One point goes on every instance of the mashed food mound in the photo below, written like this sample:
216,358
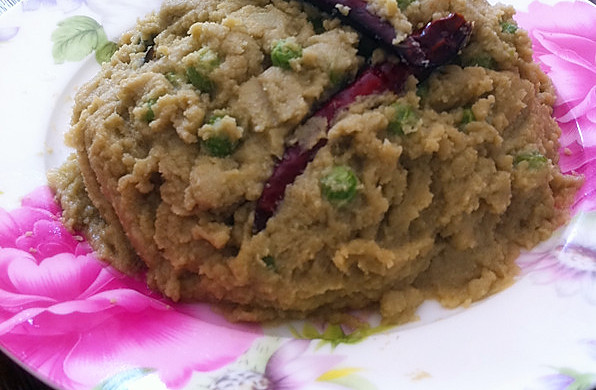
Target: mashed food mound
429,193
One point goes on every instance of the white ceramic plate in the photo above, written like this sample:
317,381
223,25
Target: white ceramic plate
78,324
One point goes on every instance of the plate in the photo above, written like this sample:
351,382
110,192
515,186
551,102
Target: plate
78,324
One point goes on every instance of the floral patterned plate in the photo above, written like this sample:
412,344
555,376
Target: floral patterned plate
78,324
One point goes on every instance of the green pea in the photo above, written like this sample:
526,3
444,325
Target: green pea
284,51
422,89
403,4
484,60
508,27
339,187
149,114
404,116
214,118
208,60
535,159
198,75
173,78
467,116
219,146
336,78
199,80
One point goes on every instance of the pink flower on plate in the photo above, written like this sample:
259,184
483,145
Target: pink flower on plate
568,378
564,43
291,367
567,260
78,322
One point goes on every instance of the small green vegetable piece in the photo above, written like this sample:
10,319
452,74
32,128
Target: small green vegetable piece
534,159
508,27
484,60
173,78
208,60
199,80
336,78
403,4
404,116
198,75
149,114
467,117
269,262
339,186
284,51
214,118
219,146
422,89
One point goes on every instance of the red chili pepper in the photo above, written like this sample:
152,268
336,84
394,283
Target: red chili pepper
434,45
360,18
429,47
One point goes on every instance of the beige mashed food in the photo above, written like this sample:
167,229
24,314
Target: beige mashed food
439,209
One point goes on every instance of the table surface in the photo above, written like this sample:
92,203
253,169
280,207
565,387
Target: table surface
12,376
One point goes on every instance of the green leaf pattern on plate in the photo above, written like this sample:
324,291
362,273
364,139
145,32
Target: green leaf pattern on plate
335,334
78,36
124,380
581,381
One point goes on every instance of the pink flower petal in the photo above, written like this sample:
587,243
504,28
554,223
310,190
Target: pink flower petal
571,47
307,369
571,82
556,382
9,229
61,277
137,332
577,157
289,367
564,42
573,17
580,130
14,302
583,107
47,238
65,311
19,222
166,340
46,356
286,353
42,198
